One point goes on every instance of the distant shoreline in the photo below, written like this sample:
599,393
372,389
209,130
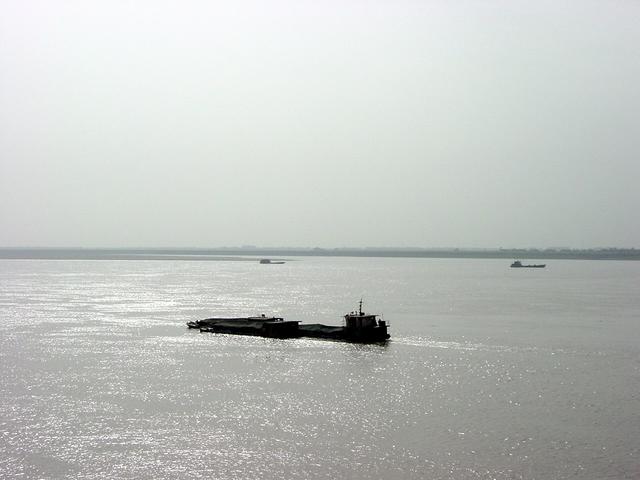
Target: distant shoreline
245,253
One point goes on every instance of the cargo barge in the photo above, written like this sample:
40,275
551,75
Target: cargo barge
518,264
358,327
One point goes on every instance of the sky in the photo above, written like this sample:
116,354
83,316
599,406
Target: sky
345,123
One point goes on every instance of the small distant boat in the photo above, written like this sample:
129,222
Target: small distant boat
518,264
268,261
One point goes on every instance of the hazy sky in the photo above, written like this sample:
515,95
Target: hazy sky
325,123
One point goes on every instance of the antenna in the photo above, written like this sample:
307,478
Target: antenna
360,306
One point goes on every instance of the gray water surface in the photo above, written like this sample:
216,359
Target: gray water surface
491,373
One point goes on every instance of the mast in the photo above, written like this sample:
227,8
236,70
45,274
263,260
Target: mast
361,306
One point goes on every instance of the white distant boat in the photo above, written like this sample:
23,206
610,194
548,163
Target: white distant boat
518,264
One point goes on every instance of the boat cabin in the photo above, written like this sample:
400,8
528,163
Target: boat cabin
359,320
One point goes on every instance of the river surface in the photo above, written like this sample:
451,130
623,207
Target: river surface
491,372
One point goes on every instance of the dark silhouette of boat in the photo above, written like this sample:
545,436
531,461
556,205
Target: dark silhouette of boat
268,261
358,327
518,264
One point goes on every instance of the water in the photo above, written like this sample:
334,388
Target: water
492,372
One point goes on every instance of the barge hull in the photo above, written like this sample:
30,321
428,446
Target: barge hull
278,328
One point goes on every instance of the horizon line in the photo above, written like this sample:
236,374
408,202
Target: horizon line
317,248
